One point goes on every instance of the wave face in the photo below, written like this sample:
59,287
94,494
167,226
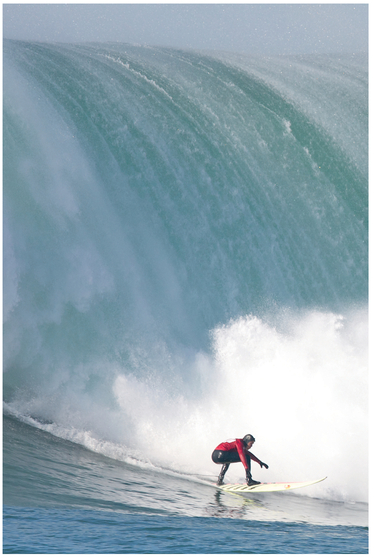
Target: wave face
185,254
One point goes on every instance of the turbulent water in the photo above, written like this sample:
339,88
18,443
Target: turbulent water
185,261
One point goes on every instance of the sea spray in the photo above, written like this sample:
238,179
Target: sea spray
302,392
301,389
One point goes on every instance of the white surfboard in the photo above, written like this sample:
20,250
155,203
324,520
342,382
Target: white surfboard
267,487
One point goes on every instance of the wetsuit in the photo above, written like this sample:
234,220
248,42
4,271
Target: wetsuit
233,452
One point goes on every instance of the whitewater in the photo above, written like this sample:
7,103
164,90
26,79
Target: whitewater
185,262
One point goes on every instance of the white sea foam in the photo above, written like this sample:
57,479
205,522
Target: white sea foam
300,387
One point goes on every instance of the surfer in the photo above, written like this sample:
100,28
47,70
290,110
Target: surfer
233,452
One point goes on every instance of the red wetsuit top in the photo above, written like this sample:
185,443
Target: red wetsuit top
240,447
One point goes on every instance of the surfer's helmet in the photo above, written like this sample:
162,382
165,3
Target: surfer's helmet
248,438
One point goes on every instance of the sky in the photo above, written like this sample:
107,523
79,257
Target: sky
248,28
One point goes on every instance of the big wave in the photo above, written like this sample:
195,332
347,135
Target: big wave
185,254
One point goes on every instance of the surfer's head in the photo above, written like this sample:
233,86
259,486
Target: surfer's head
248,438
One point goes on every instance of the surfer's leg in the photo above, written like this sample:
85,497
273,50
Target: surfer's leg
225,466
248,474
248,464
224,457
220,456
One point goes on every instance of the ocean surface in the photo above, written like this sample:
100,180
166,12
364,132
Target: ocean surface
185,262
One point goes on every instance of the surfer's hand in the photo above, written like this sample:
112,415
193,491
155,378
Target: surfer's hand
262,464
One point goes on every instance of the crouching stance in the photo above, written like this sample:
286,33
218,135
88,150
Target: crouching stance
233,452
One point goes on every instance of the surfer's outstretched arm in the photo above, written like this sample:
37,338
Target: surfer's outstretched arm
254,458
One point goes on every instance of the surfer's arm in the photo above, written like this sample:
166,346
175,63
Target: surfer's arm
254,458
241,449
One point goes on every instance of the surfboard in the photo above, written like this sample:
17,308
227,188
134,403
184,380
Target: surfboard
267,486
